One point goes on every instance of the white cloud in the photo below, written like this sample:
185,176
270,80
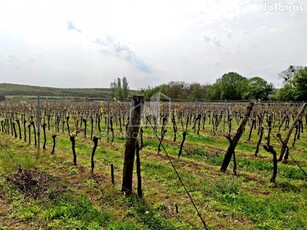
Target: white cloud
149,42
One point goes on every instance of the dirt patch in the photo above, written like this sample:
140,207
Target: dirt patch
31,182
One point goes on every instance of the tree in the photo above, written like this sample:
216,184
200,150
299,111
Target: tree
149,92
300,85
125,88
197,91
177,89
233,85
113,86
296,88
119,90
289,73
286,93
257,88
215,91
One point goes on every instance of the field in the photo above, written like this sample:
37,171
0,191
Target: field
43,190
26,91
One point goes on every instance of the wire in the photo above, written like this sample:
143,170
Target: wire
179,178
295,161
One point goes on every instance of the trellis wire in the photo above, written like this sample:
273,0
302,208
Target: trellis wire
179,178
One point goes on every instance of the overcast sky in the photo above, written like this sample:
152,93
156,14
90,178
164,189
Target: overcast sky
89,43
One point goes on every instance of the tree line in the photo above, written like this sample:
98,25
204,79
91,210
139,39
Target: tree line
120,89
233,86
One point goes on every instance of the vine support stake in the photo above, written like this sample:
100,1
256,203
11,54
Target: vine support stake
112,174
234,141
285,142
132,134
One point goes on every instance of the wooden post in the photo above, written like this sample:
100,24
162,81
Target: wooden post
285,142
138,170
234,141
112,174
132,133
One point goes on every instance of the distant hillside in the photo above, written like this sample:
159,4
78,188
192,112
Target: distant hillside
27,90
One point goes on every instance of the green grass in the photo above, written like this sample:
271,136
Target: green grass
74,212
78,199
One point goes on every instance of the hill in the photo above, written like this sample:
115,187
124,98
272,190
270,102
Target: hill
27,90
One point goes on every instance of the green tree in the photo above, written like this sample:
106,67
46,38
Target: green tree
300,85
286,93
177,90
233,86
295,89
149,92
197,91
257,88
113,86
214,91
125,88
119,90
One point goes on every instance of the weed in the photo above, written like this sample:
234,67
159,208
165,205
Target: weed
73,170
90,183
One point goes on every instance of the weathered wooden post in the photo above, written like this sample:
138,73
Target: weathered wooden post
131,139
234,141
285,141
112,174
138,170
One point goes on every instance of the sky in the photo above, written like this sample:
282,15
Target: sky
88,44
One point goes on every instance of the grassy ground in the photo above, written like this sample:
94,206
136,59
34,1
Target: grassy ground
72,197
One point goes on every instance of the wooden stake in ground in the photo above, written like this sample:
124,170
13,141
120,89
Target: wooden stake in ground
285,142
132,133
112,174
234,141
138,169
